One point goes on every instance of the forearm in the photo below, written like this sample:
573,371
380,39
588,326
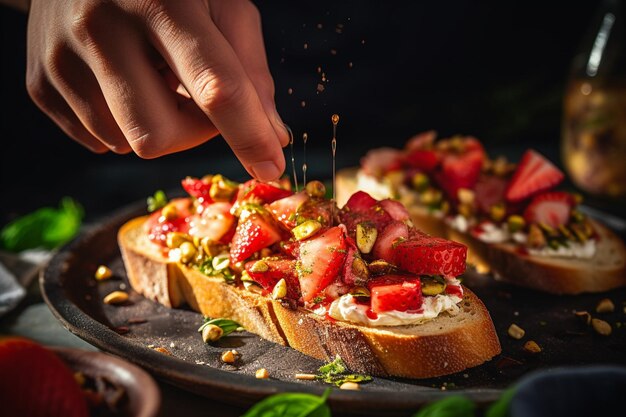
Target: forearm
21,5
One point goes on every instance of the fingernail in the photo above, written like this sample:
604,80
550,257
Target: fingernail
265,171
281,129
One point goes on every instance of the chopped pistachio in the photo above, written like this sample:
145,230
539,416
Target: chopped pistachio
584,316
211,333
261,374
465,210
420,182
306,229
116,297
175,239
380,267
315,189
566,232
210,247
578,216
605,306
579,232
103,272
536,239
366,235
548,230
516,332
360,292
432,286
500,166
359,269
601,327
497,212
516,223
170,212
394,178
431,197
220,262
228,357
187,252
350,386
466,196
532,347
280,289
259,266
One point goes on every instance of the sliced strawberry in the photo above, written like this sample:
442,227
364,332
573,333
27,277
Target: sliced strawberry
349,276
214,222
489,191
360,201
395,293
321,259
421,141
284,210
379,161
277,269
253,233
423,160
197,188
158,226
261,192
35,382
318,209
533,175
552,209
422,254
461,170
290,248
387,239
395,209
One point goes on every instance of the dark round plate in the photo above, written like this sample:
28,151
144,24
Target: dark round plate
134,330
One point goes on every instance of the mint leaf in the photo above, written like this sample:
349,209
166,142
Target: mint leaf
45,228
453,406
157,201
291,405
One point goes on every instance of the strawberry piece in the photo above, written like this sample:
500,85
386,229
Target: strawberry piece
552,209
395,293
423,160
214,222
261,192
360,201
35,382
253,233
197,188
379,161
321,210
421,141
284,209
533,175
422,254
159,227
290,248
348,276
461,170
395,209
392,234
489,191
321,259
277,269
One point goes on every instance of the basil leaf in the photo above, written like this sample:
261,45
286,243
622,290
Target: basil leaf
45,228
340,379
500,408
336,367
453,406
227,325
291,405
157,201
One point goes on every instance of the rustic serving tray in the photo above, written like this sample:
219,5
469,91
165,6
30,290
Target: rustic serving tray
134,330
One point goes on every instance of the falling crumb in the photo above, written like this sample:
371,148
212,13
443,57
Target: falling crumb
306,46
516,313
320,87
122,286
333,52
303,103
319,70
88,297
319,26
362,41
163,350
349,64
290,91
282,60
172,345
465,375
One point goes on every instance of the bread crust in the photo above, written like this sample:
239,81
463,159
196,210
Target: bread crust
442,346
605,271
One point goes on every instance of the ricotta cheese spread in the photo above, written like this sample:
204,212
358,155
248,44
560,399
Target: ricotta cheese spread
574,250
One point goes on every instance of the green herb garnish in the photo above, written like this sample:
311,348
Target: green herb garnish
336,373
157,201
453,406
291,405
227,325
501,407
45,228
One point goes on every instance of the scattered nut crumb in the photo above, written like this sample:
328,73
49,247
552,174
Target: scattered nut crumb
583,315
262,374
172,345
79,377
136,320
350,386
601,327
516,332
116,297
103,272
228,357
163,350
605,306
305,377
532,347
290,91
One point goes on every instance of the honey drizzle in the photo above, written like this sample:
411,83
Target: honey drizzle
293,159
305,137
335,120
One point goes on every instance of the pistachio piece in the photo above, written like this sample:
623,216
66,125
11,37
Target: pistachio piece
584,316
432,286
578,216
261,374
169,212
380,267
315,189
175,239
466,196
306,229
116,297
228,357
601,327
366,235
280,289
259,266
605,306
222,189
465,210
349,385
548,230
579,231
360,292
394,178
497,212
431,197
210,247
536,239
211,333
187,252
567,234
516,332
532,347
103,272
515,223
359,268
420,182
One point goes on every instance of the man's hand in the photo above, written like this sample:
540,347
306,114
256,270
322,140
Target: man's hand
156,77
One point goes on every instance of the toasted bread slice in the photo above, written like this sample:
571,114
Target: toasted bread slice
605,271
441,346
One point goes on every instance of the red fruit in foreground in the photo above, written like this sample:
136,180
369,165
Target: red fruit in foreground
252,234
284,210
489,191
35,382
394,233
395,292
361,207
395,209
360,201
553,209
426,255
277,269
197,188
461,170
214,222
321,259
423,160
348,276
261,192
159,227
533,175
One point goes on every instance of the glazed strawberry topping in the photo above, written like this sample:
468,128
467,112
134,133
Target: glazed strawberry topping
395,209
534,174
422,254
360,201
261,192
461,169
489,191
253,233
422,160
197,188
321,259
284,209
552,209
277,269
390,236
395,292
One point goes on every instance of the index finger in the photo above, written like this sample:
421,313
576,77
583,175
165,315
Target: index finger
207,66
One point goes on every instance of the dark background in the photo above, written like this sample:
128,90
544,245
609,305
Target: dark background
496,70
